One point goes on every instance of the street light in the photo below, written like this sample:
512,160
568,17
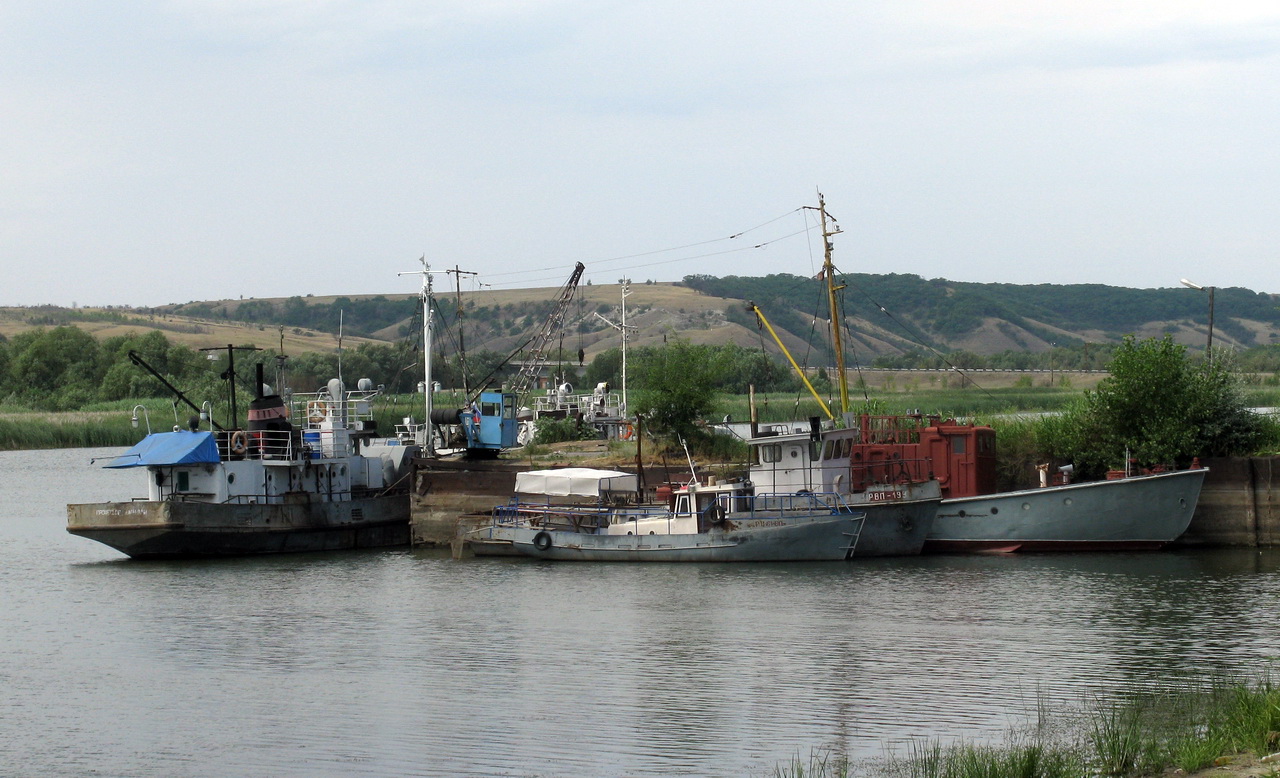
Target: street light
1208,348
145,415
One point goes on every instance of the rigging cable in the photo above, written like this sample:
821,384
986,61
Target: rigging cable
922,342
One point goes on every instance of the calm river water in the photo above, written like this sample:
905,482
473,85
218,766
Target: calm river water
411,663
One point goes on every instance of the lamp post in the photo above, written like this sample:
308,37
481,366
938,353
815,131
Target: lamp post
1208,348
145,415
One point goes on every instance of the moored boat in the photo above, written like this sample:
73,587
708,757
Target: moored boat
319,484
597,518
1130,510
1138,513
900,504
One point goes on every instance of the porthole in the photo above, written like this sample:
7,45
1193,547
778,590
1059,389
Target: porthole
994,510
1066,500
1026,506
961,514
231,478
1182,501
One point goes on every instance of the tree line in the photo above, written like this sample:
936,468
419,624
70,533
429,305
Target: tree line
65,368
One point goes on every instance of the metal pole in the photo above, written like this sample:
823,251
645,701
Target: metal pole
425,272
1208,349
626,290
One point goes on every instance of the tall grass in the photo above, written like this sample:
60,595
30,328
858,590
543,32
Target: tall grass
1188,724
956,401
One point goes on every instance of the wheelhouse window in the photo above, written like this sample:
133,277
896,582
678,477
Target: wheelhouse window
769,454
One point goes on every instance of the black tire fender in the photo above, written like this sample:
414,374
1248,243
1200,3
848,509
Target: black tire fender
542,541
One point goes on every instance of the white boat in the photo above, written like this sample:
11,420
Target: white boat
900,504
595,517
305,476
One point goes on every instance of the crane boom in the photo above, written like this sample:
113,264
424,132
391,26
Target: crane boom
537,345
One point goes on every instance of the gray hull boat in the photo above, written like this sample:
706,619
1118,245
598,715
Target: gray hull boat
593,519
1142,512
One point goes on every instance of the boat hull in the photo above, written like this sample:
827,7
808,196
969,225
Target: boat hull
759,539
898,528
148,529
1138,513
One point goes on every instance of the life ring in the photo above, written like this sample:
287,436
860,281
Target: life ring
542,541
317,410
239,443
715,513
626,431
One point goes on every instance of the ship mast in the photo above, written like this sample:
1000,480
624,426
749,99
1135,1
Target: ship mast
830,229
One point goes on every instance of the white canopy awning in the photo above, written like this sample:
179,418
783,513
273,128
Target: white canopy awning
574,481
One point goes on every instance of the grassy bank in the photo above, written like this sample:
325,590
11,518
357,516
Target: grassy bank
1229,725
110,424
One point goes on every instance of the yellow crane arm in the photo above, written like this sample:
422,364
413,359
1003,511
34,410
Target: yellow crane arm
760,314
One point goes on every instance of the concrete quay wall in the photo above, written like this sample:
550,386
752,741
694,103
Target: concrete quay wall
1238,504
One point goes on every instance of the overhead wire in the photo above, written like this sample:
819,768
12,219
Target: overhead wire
920,340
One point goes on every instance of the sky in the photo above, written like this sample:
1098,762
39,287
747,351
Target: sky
164,152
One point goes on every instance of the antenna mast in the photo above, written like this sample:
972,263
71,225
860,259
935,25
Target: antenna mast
833,305
462,349
427,388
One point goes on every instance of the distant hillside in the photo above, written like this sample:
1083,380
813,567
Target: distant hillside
885,315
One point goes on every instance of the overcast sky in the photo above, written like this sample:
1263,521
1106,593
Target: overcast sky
157,152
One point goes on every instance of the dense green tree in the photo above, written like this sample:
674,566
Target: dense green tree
674,386
1158,407
607,366
55,369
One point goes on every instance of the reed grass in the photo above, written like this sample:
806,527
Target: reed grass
1187,724
821,764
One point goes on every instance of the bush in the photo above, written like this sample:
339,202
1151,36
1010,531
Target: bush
560,430
1158,408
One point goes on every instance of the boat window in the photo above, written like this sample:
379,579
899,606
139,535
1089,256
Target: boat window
184,481
770,453
828,450
508,406
489,408
957,445
682,504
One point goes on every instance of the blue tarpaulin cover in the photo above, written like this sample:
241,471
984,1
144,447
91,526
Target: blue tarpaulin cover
170,448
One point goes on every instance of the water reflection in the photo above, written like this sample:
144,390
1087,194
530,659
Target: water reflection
410,662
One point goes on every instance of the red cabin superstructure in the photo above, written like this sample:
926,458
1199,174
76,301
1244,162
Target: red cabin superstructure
893,448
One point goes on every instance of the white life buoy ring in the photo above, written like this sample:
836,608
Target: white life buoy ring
239,443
